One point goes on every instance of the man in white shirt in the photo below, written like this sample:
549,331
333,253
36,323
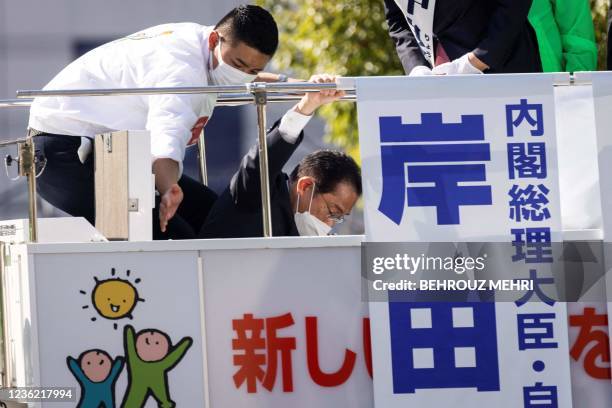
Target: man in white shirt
235,51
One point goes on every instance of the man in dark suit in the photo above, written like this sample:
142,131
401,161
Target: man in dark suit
469,36
319,193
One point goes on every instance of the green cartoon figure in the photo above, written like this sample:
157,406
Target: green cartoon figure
149,357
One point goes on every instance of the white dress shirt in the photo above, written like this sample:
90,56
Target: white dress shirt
162,56
292,124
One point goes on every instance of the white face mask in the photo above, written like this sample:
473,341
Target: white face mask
225,74
308,224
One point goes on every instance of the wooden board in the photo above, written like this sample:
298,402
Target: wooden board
111,184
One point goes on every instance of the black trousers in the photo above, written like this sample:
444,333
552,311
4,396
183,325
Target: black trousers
68,184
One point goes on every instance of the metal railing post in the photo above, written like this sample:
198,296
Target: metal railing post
261,99
202,158
6,356
27,168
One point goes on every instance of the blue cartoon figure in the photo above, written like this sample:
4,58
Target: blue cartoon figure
97,374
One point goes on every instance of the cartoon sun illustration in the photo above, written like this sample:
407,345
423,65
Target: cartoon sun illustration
114,298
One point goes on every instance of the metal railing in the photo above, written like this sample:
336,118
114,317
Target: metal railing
259,93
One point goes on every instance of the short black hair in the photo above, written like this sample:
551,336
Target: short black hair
253,26
329,168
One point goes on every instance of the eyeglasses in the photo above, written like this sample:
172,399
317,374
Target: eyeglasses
335,218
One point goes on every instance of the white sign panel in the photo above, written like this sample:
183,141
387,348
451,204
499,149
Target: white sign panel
121,328
590,358
578,170
602,93
581,210
286,328
435,168
459,159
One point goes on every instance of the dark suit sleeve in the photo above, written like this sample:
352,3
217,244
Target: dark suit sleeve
406,45
245,186
507,21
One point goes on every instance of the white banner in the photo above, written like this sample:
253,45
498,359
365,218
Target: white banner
589,354
245,323
578,170
602,94
101,316
465,159
286,328
581,210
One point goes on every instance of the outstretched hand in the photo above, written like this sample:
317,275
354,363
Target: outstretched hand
170,202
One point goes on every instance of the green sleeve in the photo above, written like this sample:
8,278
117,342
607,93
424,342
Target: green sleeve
577,34
177,353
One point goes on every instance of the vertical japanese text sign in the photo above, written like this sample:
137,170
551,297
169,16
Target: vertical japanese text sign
460,159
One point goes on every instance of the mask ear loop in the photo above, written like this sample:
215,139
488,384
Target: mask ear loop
219,58
297,205
312,195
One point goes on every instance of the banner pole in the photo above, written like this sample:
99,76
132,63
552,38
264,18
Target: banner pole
260,94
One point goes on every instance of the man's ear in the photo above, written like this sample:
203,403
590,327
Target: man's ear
213,39
304,183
